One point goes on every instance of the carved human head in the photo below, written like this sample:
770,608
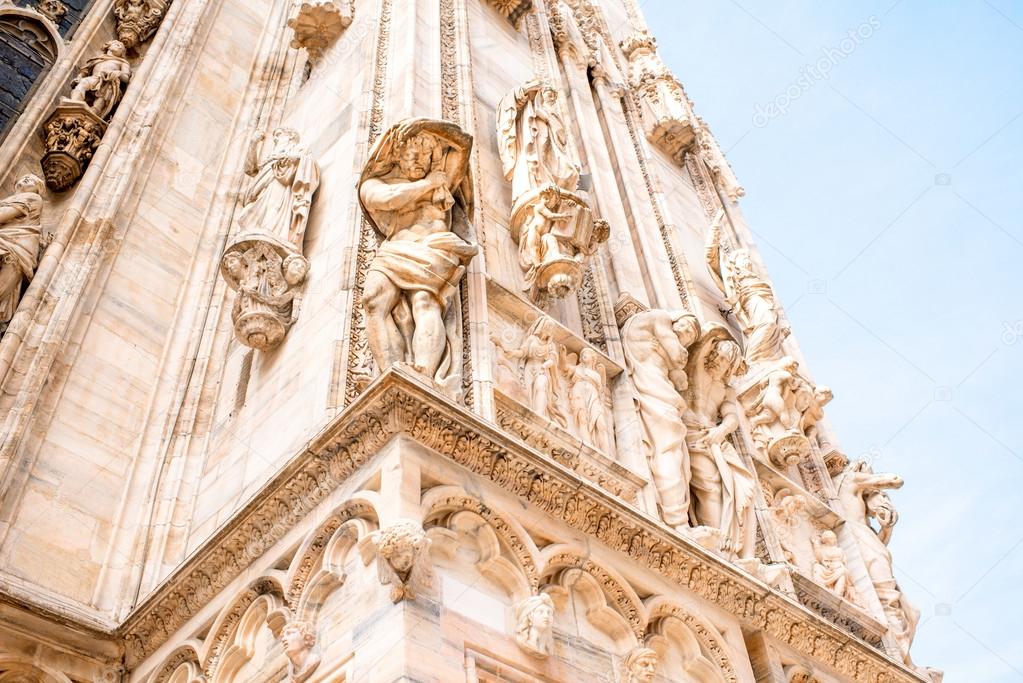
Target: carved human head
828,537
298,637
881,508
415,156
723,359
294,268
685,326
588,357
400,544
534,627
285,138
29,183
114,48
641,665
549,95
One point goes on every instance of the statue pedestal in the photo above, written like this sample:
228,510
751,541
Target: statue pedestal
266,272
561,270
71,135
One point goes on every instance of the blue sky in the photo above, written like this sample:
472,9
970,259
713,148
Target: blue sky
885,196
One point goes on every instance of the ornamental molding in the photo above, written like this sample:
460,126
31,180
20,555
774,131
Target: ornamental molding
400,403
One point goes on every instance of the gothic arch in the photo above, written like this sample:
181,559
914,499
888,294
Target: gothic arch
16,668
236,625
180,666
661,609
32,43
560,560
442,504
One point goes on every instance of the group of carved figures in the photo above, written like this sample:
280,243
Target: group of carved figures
567,388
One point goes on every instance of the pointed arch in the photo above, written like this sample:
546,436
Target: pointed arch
235,626
712,643
180,666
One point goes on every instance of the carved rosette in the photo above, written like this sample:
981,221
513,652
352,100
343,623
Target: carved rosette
664,107
137,20
70,135
317,25
571,240
267,273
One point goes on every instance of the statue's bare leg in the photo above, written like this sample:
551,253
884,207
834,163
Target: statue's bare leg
428,340
379,297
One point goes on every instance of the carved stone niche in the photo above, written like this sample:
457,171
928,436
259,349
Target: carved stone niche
664,106
71,135
513,10
783,408
265,272
317,25
137,20
564,241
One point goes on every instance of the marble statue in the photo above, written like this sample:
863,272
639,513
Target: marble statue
417,171
862,496
402,558
664,107
591,420
534,628
749,295
137,20
264,262
543,362
721,484
534,142
655,344
20,242
640,666
551,218
784,408
100,82
299,639
829,567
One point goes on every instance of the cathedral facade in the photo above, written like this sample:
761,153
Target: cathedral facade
404,340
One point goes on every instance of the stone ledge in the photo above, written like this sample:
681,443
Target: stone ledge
399,402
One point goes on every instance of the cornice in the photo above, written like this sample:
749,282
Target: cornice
399,402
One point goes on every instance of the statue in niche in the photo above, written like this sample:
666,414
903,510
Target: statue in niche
264,262
829,568
862,496
417,171
588,387
783,407
100,82
749,295
544,364
20,242
534,627
640,666
655,344
402,558
551,218
534,140
299,639
721,485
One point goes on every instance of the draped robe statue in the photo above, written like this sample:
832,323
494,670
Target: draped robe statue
533,140
417,171
749,295
655,352
100,80
721,485
20,235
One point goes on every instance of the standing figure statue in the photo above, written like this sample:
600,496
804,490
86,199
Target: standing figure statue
590,418
20,242
533,140
748,294
722,486
655,344
543,364
416,173
862,495
264,262
829,568
99,83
